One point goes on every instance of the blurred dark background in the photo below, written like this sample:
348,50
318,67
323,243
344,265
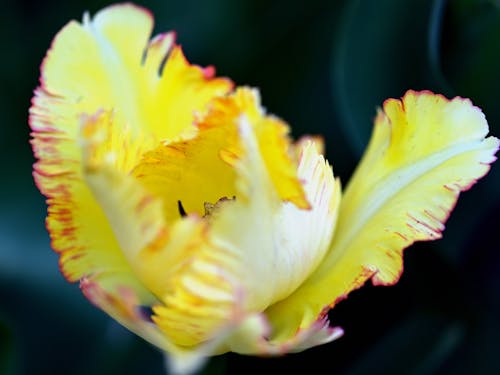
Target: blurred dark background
324,66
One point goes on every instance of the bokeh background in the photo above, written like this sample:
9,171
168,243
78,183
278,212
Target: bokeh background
324,66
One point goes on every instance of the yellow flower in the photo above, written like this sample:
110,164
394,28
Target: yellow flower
189,216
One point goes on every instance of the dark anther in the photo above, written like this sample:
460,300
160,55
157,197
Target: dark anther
164,62
182,211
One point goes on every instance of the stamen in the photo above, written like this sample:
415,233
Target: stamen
182,211
210,208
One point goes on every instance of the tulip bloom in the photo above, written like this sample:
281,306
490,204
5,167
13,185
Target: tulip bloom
189,216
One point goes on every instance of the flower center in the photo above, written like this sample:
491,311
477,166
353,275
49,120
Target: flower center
193,172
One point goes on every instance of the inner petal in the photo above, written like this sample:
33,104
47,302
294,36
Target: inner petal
280,244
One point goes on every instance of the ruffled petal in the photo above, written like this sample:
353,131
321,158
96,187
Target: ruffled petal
201,295
272,137
280,243
423,152
79,230
124,202
150,89
109,63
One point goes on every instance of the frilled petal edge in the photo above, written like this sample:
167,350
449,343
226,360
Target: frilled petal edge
424,150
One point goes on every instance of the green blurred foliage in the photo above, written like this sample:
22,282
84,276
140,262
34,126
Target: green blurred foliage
324,67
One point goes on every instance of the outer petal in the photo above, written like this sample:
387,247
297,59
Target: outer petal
107,64
424,150
79,229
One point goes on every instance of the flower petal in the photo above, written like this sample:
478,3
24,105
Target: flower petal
271,136
113,188
258,225
280,243
424,150
201,295
79,229
107,64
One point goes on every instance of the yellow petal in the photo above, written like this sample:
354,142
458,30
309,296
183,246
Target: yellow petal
79,229
271,136
280,244
239,259
201,294
112,187
124,306
424,150
107,64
